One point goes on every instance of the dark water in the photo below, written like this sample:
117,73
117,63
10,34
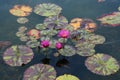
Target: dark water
71,9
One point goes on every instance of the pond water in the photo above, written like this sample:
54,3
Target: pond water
71,9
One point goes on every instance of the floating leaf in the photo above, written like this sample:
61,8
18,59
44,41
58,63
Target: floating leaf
21,10
33,44
112,19
56,22
22,20
17,55
47,9
62,40
24,38
40,26
4,43
67,77
19,34
85,48
96,39
102,64
34,33
40,72
22,29
67,51
76,23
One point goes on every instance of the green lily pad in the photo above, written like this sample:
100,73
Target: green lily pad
102,64
96,39
40,72
17,55
67,77
47,9
85,48
112,19
56,22
33,44
22,29
40,26
22,20
67,51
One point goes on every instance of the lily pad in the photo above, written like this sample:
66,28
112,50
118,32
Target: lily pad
40,72
24,38
67,77
40,26
21,10
76,23
47,9
102,64
22,20
56,22
17,55
67,51
89,25
112,19
96,39
85,48
4,43
22,29
33,44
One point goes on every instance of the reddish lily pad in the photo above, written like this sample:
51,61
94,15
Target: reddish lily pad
17,55
40,72
112,19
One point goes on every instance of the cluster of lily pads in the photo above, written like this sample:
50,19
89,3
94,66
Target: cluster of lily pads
68,39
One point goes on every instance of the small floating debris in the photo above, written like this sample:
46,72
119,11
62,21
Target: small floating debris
101,0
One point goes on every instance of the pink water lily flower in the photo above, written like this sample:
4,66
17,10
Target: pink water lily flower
45,43
58,45
64,33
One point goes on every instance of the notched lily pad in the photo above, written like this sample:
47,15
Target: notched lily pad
21,10
33,44
47,9
85,48
102,64
96,39
22,20
17,55
40,26
112,19
40,72
67,51
56,22
67,77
